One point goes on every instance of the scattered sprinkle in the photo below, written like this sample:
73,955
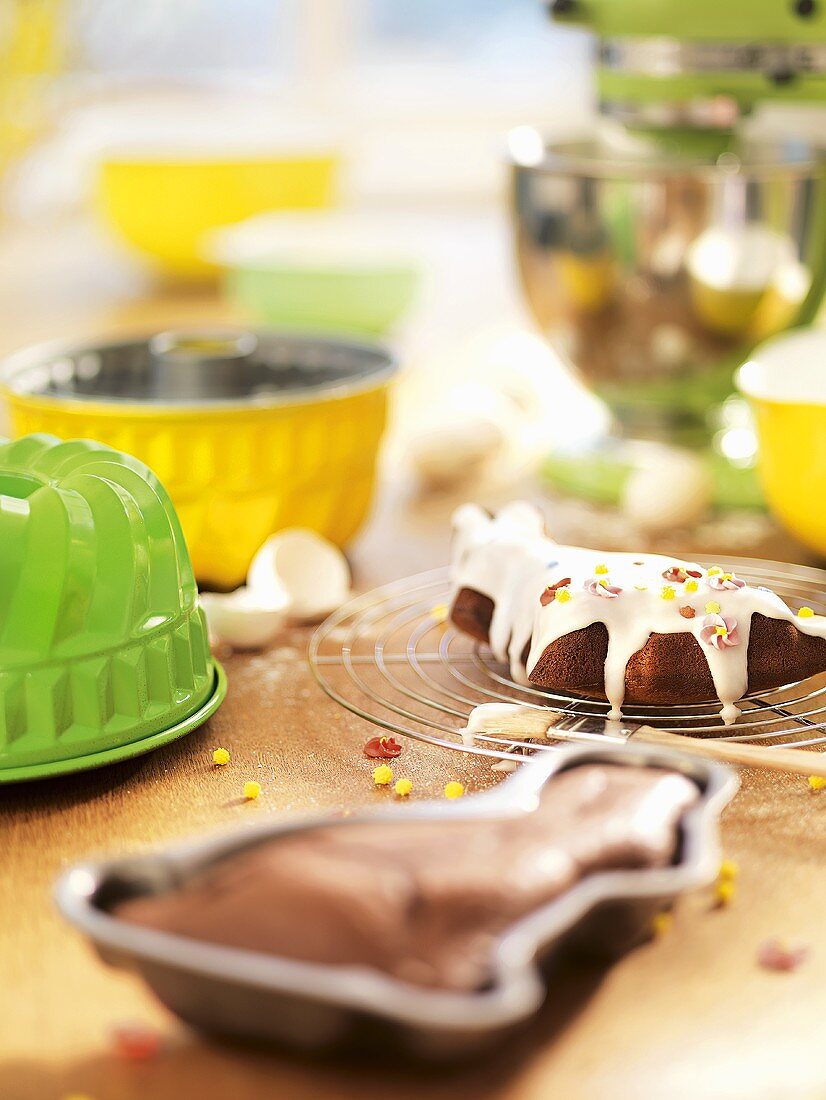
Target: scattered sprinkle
675,574
662,923
639,563
777,954
549,593
724,893
641,587
805,613
817,782
135,1042
382,775
691,586
687,612
562,595
729,871
440,612
454,790
667,592
712,608
714,571
382,748
601,568
251,790
403,787
220,757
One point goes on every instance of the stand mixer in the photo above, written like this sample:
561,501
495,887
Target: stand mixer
657,251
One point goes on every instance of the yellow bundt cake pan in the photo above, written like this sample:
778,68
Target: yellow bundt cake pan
103,647
249,432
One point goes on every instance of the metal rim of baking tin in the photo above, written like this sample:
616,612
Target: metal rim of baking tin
517,989
89,761
326,367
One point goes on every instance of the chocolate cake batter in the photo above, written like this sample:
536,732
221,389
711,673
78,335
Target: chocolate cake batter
425,901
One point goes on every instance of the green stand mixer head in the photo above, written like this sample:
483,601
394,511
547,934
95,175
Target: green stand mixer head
103,647
702,63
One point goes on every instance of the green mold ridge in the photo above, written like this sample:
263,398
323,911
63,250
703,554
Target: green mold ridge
102,642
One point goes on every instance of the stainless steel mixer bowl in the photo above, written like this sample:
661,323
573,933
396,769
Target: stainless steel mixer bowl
653,272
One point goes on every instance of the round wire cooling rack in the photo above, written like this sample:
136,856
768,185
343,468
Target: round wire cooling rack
391,657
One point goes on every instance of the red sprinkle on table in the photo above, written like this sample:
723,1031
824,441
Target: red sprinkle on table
135,1043
382,748
776,954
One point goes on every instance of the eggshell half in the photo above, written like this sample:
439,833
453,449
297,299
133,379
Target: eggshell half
311,573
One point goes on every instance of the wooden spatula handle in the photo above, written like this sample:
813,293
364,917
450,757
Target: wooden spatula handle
773,757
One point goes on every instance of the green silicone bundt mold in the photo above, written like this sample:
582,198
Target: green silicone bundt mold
102,643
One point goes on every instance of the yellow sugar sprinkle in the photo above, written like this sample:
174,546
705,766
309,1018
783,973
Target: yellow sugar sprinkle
454,790
562,595
729,870
601,568
251,790
724,892
220,757
712,608
690,585
721,631
439,612
662,923
715,571
403,787
805,613
817,782
667,593
641,587
382,775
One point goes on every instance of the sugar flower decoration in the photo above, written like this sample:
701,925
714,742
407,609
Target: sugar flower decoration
601,587
720,631
722,582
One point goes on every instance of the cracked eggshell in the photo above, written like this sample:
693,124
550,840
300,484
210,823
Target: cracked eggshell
311,572
243,619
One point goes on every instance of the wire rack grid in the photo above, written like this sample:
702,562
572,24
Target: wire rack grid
391,657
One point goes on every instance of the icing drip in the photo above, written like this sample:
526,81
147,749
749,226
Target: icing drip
542,591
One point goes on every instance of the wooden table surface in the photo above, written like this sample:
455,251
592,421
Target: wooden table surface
690,1015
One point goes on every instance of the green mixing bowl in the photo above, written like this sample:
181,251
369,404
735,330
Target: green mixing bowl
103,647
343,271
362,301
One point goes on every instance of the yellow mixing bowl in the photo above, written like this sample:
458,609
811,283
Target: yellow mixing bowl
163,206
785,382
249,432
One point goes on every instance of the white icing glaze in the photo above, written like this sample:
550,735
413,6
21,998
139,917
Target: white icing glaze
511,560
